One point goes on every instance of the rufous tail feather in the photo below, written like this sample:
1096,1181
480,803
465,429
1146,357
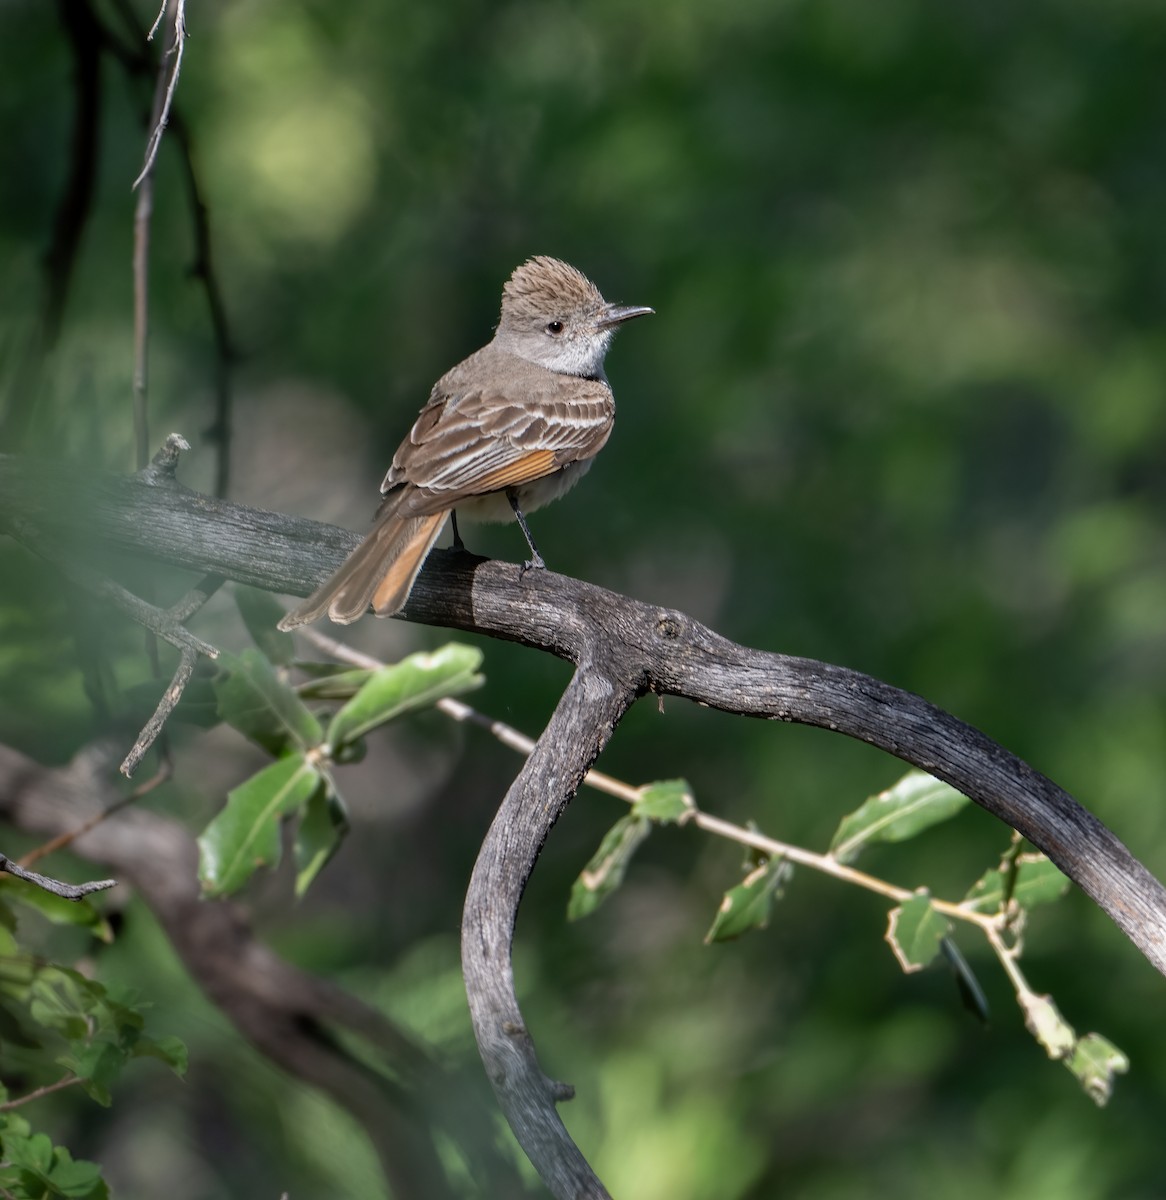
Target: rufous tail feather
380,571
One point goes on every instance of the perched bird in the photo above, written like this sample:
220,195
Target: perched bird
506,431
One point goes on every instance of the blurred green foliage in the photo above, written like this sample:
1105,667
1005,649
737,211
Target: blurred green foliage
902,407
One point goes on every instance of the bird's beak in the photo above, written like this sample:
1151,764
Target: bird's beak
617,314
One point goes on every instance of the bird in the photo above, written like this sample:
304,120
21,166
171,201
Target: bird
509,429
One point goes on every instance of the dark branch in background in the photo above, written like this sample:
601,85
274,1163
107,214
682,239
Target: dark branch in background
622,649
288,1015
69,221
76,201
218,433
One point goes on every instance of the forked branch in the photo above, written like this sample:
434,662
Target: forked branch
622,649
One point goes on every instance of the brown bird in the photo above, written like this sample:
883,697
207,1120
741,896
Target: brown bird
506,431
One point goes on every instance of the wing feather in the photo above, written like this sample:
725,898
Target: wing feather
469,440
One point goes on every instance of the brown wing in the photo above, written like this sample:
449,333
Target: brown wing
497,422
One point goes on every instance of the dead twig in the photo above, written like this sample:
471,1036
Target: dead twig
67,891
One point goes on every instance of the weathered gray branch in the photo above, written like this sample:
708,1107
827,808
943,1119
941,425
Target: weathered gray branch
622,649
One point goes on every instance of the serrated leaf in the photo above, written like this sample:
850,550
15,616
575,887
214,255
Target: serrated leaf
607,867
415,682
1095,1061
320,832
60,911
1038,881
98,1065
255,701
748,905
916,802
170,1050
915,931
33,1153
76,1179
245,835
668,801
261,612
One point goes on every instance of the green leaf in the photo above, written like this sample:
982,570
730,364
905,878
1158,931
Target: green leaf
254,700
98,1066
668,801
1037,881
169,1050
415,682
261,612
245,835
338,685
33,1153
605,872
1095,1061
748,905
321,830
915,931
914,803
52,1169
75,1178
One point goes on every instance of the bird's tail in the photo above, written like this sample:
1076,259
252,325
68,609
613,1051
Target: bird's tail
380,571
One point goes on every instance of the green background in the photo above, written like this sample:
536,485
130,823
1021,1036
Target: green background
901,408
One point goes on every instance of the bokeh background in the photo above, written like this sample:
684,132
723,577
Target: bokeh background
902,408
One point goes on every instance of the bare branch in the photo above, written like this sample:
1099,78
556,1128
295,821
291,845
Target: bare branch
67,891
168,70
166,705
592,705
36,1094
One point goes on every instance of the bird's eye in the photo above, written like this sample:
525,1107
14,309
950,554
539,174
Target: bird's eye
555,327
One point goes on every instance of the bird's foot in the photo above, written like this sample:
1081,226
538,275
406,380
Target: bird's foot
532,564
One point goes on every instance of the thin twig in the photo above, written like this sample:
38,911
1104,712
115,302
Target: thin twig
157,620
157,22
162,775
202,268
458,710
168,70
48,1089
993,925
166,705
143,211
164,623
67,891
184,609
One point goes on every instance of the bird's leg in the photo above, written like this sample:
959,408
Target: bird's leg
536,559
458,544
